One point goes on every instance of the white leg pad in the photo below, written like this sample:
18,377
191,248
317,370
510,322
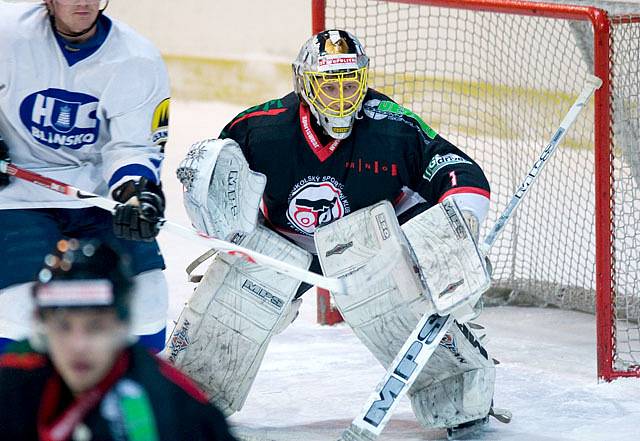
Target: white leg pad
149,302
457,383
16,311
222,334
384,313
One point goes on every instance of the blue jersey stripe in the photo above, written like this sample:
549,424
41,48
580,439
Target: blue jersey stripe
133,170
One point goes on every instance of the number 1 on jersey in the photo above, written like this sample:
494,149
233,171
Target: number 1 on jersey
454,178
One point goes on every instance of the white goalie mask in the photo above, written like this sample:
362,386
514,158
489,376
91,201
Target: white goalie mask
330,76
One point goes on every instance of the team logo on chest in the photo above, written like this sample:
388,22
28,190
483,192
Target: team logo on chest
58,118
316,201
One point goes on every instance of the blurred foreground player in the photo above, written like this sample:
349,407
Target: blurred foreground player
81,377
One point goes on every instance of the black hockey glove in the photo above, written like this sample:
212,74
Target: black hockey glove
142,208
4,156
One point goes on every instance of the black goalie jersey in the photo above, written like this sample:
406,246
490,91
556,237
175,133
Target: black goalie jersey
313,179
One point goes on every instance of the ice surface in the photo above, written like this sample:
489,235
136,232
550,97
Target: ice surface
315,379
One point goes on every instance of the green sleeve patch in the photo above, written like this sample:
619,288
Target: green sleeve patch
397,109
438,162
272,104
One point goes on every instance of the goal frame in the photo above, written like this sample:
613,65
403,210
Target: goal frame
603,168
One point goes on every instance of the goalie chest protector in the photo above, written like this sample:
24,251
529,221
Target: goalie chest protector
313,180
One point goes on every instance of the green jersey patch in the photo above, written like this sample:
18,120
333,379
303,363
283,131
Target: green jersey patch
438,162
397,109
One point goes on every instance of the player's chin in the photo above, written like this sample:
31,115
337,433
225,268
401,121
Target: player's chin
81,376
82,20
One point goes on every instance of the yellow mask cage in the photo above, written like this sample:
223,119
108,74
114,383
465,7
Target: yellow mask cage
336,94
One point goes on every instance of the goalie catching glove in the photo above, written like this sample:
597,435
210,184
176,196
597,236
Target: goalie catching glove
221,193
138,218
4,156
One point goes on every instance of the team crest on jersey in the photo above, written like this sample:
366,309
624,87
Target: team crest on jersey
57,118
316,201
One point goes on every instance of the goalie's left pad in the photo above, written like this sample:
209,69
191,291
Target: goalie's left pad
455,270
221,193
223,332
456,385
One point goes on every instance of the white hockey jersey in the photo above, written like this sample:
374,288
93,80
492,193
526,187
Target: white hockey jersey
94,124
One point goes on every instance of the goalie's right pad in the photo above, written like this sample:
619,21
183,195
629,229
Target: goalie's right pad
222,334
222,195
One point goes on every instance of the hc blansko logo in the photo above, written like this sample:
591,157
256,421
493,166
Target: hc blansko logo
57,118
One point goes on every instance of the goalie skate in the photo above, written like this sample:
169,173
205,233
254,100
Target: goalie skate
464,429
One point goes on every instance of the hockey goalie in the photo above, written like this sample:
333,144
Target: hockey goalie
322,178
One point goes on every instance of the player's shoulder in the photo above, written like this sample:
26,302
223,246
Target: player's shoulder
21,20
21,356
128,43
273,112
20,11
384,113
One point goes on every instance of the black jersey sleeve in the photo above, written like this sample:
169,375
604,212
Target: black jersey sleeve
239,128
441,169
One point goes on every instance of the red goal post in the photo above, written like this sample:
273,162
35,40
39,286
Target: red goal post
495,77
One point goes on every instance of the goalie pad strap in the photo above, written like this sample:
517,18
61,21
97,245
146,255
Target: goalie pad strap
195,278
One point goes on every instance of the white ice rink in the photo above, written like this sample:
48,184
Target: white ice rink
315,379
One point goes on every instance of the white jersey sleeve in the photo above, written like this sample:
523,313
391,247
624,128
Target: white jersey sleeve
136,104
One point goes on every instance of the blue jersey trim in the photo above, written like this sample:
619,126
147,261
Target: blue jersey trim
156,162
76,52
133,170
5,342
154,342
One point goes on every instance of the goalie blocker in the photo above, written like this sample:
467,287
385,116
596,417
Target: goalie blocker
456,386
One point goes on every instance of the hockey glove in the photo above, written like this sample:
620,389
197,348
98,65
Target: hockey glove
4,156
141,210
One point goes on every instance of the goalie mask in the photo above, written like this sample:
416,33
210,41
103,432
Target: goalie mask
330,76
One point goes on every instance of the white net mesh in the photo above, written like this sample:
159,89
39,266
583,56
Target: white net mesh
498,85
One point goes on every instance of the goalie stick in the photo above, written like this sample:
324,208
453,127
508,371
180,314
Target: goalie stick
374,269
425,338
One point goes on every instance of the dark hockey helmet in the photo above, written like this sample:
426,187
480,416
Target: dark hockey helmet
330,75
84,274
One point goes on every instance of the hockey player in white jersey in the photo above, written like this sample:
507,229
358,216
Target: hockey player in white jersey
331,157
84,100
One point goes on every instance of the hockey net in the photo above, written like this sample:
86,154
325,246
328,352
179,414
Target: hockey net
496,78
